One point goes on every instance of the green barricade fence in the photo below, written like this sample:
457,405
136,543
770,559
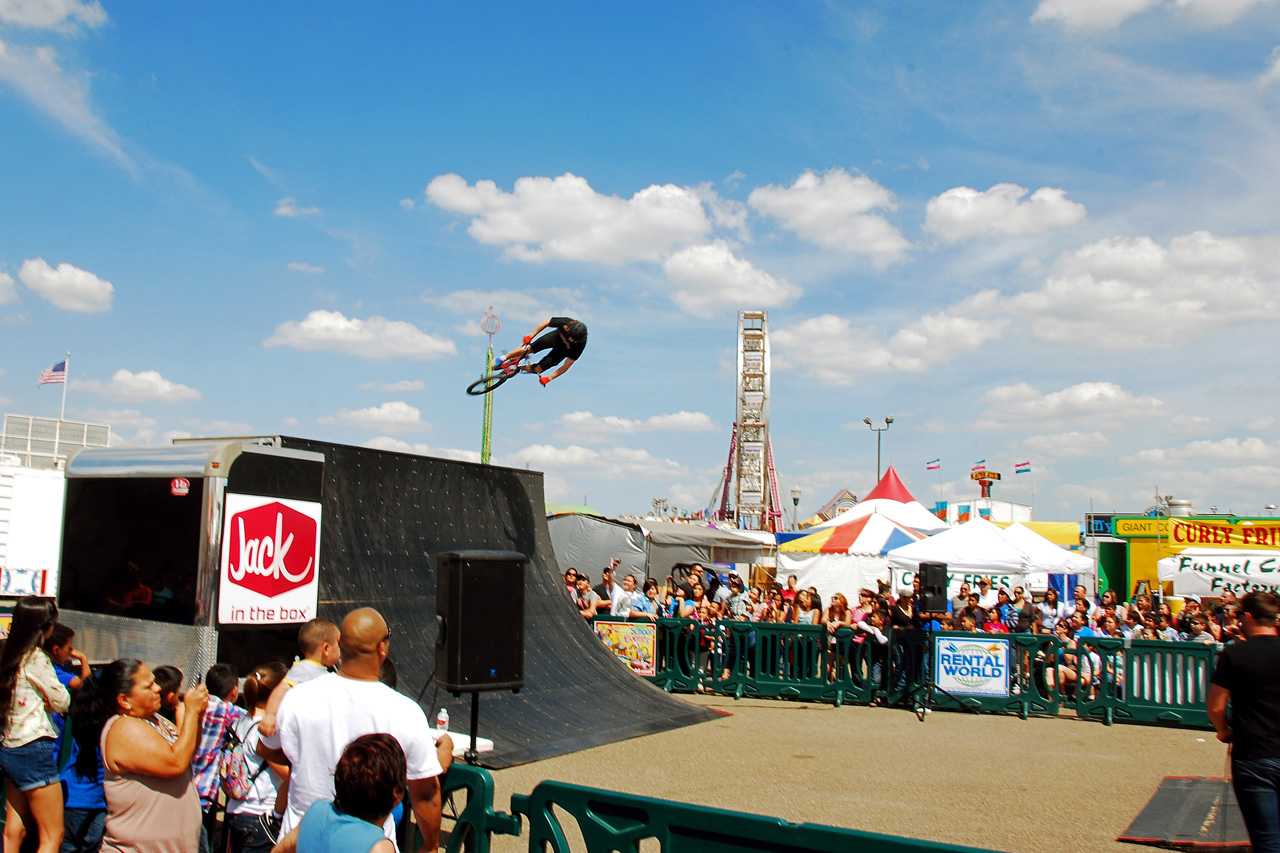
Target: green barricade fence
474,820
1144,681
1140,681
770,660
609,821
1030,686
679,645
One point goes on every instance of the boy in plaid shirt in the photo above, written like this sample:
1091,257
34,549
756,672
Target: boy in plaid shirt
223,682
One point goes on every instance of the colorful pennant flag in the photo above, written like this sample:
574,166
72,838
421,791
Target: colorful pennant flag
934,465
982,463
1022,468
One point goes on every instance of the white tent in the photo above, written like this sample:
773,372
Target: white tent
909,514
977,549
1047,556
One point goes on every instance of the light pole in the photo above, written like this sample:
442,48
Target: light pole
795,507
877,431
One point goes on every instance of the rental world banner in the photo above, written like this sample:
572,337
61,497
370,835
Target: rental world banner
1209,571
973,666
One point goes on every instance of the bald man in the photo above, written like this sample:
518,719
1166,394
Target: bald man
318,719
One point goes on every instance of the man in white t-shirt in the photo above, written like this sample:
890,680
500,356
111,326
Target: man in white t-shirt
987,597
319,718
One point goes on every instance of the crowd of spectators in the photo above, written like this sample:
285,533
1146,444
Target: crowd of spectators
981,607
328,761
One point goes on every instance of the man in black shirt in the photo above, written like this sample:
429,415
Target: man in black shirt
1246,678
566,340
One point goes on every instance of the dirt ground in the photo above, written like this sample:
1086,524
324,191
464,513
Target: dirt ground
1053,785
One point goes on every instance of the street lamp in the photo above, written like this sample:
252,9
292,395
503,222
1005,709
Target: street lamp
795,507
877,431
1271,509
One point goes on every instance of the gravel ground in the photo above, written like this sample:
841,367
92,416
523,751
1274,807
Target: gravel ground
989,781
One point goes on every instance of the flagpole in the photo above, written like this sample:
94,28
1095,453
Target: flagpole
66,380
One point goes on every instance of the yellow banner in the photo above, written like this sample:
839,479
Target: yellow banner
1181,533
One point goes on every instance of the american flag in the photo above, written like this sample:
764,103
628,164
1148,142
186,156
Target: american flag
56,375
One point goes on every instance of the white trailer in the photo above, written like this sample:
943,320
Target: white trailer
31,507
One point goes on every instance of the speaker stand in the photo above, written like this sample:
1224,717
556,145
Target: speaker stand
471,755
930,685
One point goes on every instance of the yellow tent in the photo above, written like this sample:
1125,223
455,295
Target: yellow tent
1064,533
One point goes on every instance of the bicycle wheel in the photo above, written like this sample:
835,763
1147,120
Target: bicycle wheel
487,383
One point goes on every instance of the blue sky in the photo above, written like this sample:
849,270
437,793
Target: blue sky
1040,230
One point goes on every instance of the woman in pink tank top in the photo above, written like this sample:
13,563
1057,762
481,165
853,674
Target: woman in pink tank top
152,804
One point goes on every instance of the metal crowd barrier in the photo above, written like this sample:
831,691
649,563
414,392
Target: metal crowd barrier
608,821
1140,681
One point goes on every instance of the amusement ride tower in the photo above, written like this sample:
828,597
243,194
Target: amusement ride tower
748,491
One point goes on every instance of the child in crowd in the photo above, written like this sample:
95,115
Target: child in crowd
318,642
223,682
253,822
169,681
84,810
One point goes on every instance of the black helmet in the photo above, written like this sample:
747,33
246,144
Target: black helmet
576,332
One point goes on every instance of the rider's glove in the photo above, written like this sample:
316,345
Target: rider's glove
528,339
544,380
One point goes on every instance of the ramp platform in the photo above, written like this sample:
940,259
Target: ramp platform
386,517
1190,813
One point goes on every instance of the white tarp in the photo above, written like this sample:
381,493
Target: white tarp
832,573
1208,571
1047,556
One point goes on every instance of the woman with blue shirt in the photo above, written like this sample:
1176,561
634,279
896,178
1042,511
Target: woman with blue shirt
368,783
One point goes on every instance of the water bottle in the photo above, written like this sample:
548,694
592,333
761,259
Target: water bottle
442,722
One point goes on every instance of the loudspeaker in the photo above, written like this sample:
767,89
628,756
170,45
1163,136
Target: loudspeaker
933,587
480,621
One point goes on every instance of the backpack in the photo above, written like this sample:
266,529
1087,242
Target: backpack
234,777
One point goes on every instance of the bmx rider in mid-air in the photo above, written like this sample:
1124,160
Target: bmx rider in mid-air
566,340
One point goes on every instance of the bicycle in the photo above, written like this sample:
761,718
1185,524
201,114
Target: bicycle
497,375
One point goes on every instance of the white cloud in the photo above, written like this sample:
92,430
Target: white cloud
1067,445
1272,74
36,75
1262,424
1095,15
8,292
51,14
119,418
376,337
831,350
384,442
586,426
289,207
1229,450
407,203
938,338
67,287
394,387
961,213
213,428
1124,293
833,211
616,463
510,305
1087,15
1100,405
710,279
290,421
299,266
397,416
565,219
145,386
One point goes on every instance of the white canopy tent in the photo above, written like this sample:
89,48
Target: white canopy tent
979,548
832,568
